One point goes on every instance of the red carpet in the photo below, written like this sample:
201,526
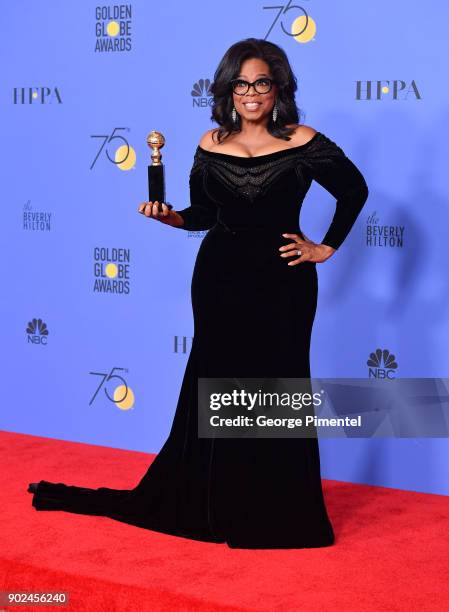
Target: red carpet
391,550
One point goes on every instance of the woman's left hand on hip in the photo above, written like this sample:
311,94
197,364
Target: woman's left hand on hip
304,249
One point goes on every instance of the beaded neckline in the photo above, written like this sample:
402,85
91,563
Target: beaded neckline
265,156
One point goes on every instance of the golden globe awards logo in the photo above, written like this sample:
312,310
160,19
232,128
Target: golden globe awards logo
113,28
111,270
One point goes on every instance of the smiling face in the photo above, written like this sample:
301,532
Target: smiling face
254,106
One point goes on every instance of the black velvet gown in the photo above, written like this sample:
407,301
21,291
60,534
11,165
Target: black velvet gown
253,317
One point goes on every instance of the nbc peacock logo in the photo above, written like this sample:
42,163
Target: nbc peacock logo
382,364
37,331
201,94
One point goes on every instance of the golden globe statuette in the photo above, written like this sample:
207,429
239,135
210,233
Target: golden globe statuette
156,178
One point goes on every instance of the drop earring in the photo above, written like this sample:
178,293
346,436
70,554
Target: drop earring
275,112
234,115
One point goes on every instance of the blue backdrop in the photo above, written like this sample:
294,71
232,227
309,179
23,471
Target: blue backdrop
95,298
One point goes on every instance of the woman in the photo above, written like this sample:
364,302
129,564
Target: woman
254,296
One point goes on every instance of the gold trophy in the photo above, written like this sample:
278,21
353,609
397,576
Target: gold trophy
156,178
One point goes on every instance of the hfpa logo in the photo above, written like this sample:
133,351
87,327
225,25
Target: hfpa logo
382,364
36,95
37,332
180,344
201,94
387,90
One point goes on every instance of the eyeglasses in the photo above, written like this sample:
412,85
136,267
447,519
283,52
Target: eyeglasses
262,86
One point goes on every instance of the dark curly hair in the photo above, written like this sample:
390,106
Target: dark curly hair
282,73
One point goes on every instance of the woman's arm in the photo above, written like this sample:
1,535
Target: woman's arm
334,171
202,212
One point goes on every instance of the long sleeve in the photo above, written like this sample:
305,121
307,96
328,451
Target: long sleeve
202,212
334,171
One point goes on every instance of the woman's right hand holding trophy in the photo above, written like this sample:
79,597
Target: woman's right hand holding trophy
161,212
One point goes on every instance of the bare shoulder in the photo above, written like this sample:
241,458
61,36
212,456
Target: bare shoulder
302,134
208,139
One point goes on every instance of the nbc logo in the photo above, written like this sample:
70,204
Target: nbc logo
37,332
201,95
382,364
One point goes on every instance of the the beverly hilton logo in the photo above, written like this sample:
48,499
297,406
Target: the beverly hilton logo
196,233
36,220
37,332
201,95
382,364
383,235
113,30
